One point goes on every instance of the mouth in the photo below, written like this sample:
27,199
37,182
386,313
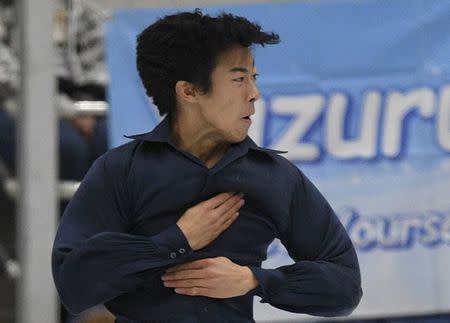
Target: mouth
248,116
247,120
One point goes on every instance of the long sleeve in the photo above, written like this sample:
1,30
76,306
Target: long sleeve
325,278
94,259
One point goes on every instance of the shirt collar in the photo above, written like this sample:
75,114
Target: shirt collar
162,133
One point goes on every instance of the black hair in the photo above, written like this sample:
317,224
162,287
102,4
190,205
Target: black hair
185,46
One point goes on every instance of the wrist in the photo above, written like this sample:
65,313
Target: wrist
249,279
191,244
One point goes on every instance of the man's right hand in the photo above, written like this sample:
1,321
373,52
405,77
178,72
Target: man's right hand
205,221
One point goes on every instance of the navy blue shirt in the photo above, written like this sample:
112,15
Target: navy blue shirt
118,235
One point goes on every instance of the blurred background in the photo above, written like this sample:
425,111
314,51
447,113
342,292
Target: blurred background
358,92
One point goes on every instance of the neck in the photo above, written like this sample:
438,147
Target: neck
198,140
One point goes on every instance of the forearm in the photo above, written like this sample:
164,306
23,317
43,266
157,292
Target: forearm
313,287
109,264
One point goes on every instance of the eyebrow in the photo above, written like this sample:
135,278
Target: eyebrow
238,69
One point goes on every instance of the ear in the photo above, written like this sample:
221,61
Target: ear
186,91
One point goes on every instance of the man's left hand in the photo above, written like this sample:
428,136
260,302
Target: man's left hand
212,277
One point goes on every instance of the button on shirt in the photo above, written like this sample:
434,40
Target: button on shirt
118,235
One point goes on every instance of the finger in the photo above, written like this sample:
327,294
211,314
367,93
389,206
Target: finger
193,291
198,291
187,283
228,222
231,214
183,267
197,264
184,274
234,202
217,200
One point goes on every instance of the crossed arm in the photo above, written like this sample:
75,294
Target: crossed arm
213,277
92,248
324,280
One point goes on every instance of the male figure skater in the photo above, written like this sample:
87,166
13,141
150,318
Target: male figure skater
173,226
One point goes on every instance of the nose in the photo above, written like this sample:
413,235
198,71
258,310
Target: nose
254,91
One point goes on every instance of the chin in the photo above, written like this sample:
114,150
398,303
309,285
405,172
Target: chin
237,138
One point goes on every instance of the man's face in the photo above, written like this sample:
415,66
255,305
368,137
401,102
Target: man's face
227,107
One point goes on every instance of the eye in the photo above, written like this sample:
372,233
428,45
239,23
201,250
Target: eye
239,79
255,76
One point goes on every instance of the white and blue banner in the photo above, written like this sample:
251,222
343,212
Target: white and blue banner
358,92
